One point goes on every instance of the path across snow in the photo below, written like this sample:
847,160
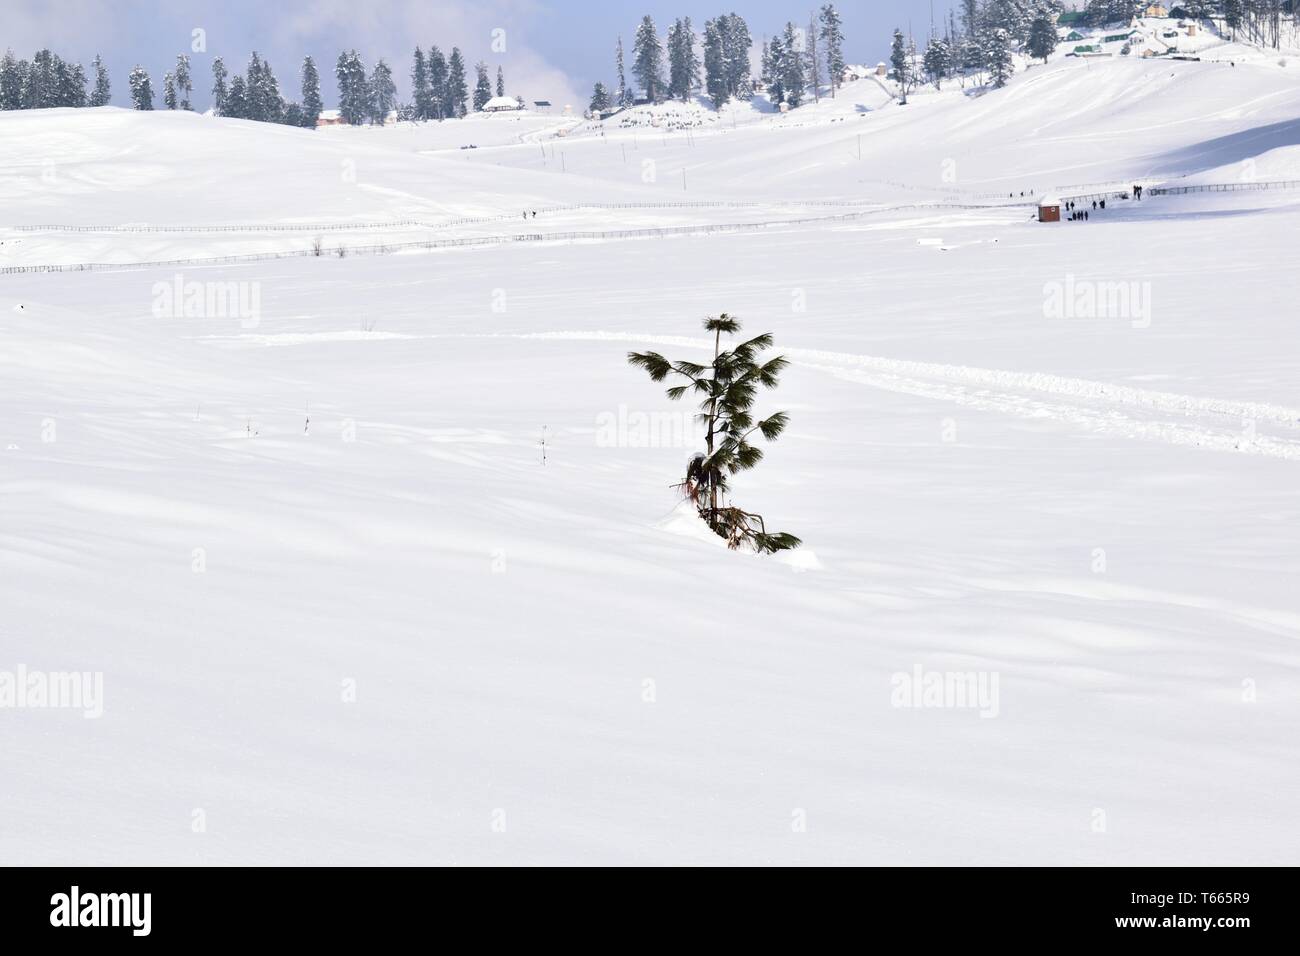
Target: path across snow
1218,424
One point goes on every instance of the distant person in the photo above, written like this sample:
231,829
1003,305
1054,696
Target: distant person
1085,215
1103,204
1094,205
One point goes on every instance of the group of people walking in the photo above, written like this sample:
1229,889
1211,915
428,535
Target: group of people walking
1081,215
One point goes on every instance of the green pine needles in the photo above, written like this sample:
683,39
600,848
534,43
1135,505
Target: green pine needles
726,389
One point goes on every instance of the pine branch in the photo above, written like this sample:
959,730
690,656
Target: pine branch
768,373
773,425
652,362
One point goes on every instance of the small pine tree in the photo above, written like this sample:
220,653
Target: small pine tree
421,94
648,60
683,62
832,34
353,87
236,102
727,389
457,90
483,86
141,89
169,91
600,98
814,57
795,74
904,72
938,61
103,88
383,93
774,71
438,97
1042,34
11,82
624,95
264,92
998,58
75,92
184,85
40,90
715,71
219,92
501,82
311,101
254,90
736,45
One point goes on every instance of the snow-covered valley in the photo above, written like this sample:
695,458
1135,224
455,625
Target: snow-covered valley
381,564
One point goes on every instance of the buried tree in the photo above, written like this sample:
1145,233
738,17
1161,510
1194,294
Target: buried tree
727,388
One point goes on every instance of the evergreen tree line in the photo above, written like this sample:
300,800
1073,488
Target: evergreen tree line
716,62
255,95
364,97
48,80
979,44
438,86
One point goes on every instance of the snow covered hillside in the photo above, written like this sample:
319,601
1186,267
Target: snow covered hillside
378,558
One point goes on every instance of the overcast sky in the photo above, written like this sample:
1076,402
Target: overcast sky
554,49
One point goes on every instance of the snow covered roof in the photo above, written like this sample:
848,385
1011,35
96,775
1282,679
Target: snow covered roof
1050,200
330,114
502,103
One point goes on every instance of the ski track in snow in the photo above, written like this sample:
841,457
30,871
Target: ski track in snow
998,391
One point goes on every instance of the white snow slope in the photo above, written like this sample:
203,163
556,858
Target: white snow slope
391,634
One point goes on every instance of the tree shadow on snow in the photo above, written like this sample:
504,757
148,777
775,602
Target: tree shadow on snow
1233,148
